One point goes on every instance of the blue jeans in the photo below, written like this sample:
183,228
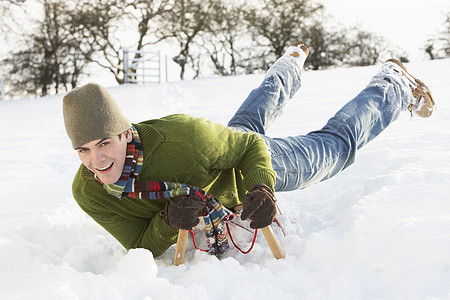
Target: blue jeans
302,160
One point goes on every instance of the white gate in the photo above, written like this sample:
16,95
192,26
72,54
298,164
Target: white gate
142,66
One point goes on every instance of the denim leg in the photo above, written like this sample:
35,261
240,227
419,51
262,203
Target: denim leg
300,161
266,102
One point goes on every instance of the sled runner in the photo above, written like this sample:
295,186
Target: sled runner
184,234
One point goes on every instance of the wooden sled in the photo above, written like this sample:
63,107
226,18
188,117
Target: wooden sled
184,234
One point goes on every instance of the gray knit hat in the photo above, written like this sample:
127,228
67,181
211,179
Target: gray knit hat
90,113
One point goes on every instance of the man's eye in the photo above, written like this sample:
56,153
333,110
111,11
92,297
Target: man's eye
104,144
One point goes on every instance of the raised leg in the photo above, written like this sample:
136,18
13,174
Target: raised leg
300,161
266,103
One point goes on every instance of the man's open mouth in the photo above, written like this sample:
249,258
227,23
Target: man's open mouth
105,168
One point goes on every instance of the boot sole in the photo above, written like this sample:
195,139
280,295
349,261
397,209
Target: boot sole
423,87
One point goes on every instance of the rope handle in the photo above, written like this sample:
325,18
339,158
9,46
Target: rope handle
182,243
251,246
231,238
184,234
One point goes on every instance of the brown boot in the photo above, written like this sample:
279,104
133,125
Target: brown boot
422,103
301,46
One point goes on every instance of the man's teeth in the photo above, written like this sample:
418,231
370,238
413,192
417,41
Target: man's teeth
103,169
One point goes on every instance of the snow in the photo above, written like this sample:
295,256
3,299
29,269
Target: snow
378,230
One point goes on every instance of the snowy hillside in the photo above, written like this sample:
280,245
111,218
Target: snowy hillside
378,230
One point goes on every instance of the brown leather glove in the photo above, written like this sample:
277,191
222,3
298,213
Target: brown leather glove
259,206
182,211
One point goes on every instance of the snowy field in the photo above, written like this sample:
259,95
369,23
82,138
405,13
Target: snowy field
378,230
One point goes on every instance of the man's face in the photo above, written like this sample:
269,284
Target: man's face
106,157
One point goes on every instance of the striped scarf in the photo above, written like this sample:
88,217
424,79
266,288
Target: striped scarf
214,214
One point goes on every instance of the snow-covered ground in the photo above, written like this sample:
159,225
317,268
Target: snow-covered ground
378,230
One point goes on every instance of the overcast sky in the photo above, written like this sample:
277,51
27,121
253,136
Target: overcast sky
407,24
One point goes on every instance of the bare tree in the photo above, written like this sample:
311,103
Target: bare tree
438,45
187,19
5,5
280,22
100,21
327,47
429,49
52,59
445,36
226,36
364,49
331,45
6,19
15,2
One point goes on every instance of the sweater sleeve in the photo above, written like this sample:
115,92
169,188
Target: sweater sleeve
225,148
152,234
130,230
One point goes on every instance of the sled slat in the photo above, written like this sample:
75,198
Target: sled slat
273,243
181,247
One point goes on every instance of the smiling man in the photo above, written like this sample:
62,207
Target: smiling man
118,158
126,166
105,157
95,114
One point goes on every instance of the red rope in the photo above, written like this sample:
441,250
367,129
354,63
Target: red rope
193,240
278,222
251,247
231,238
238,225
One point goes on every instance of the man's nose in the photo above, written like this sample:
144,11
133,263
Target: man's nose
97,156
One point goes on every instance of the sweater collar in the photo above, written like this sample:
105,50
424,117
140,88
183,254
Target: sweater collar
150,137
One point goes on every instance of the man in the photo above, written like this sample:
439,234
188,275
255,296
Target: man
130,173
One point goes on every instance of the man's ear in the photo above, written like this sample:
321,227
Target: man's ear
128,135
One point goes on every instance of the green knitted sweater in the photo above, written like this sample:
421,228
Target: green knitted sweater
184,149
